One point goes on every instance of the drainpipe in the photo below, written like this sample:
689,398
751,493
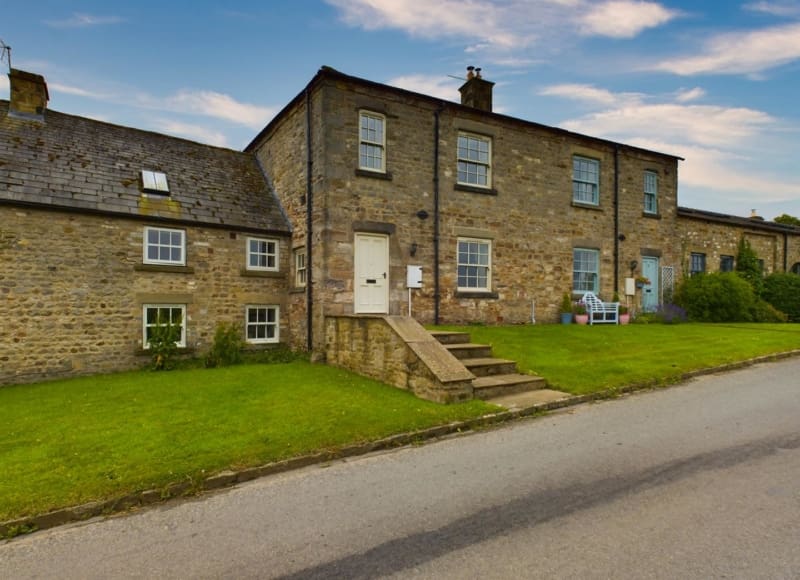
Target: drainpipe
616,217
309,224
785,252
436,293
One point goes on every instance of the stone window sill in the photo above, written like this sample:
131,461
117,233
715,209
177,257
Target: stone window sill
163,268
385,175
260,273
586,206
474,189
180,351
484,295
652,216
297,290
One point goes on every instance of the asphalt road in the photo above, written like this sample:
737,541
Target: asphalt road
696,481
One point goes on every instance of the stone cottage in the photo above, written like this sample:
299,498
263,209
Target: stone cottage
357,200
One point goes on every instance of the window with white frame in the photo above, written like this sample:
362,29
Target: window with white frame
262,254
300,267
161,315
474,265
650,192
585,180
585,270
164,246
697,263
372,142
474,160
261,324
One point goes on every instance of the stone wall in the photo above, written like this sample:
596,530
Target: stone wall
72,288
399,352
716,238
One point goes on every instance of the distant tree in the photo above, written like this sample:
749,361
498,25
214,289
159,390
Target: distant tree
787,220
748,267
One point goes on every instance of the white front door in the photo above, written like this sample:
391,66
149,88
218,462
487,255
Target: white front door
371,274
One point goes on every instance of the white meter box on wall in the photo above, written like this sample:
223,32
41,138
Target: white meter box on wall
414,277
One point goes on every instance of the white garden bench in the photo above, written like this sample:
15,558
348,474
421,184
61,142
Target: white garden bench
599,311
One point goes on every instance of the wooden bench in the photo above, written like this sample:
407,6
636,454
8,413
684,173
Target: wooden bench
600,312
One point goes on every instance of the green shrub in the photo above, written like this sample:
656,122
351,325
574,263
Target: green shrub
717,297
227,347
748,266
163,342
782,290
763,311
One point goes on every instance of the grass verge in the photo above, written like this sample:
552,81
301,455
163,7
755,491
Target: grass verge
587,359
68,442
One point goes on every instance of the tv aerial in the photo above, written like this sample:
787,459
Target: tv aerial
5,53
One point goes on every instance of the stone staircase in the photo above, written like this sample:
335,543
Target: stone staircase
494,377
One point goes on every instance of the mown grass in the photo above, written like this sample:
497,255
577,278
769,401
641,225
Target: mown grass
68,442
587,359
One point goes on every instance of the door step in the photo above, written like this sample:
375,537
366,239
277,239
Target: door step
499,385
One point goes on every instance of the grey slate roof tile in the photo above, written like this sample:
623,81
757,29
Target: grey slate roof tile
72,162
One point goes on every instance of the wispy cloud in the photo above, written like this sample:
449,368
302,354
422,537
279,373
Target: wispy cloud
745,52
81,20
3,83
437,86
70,90
624,18
505,29
789,8
191,131
218,105
720,144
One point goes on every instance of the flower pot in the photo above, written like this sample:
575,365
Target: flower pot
566,318
624,318
582,318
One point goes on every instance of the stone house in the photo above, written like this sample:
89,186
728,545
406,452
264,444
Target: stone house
352,193
104,228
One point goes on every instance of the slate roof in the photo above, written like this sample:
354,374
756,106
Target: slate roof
752,223
79,164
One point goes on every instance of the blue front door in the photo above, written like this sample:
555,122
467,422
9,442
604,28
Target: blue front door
650,291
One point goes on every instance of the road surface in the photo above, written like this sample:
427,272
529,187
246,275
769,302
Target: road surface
696,481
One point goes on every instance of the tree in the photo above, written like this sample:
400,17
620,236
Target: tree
787,220
748,267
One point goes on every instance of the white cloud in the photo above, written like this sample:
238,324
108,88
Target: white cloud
686,95
741,52
588,94
789,8
441,87
191,131
624,18
4,83
502,29
80,20
218,105
70,90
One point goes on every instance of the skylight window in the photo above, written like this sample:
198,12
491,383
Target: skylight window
155,182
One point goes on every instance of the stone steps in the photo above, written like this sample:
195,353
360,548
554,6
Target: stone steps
494,377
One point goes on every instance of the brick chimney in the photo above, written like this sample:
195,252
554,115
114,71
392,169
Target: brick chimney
29,95
476,92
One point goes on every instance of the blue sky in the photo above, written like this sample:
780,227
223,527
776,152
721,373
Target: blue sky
717,83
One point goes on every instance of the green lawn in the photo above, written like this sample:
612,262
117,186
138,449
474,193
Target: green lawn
68,442
587,359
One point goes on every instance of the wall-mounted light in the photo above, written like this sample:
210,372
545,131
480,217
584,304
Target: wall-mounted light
633,266
414,247
422,214
621,237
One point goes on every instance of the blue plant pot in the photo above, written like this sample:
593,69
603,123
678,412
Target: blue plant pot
566,318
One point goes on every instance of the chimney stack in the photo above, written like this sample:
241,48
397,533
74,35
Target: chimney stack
29,95
476,92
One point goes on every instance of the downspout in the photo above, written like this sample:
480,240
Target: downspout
309,223
616,217
436,293
785,252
